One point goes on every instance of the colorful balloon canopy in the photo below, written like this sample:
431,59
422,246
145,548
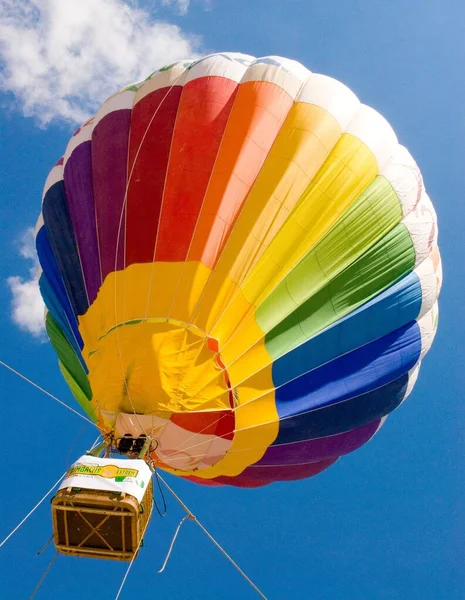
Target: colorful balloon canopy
239,261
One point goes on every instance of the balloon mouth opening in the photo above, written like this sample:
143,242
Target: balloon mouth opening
179,394
153,366
181,442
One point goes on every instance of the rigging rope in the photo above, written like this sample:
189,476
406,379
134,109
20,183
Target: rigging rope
45,392
161,513
31,511
49,541
170,549
209,535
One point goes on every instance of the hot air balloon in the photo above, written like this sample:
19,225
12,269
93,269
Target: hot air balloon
240,265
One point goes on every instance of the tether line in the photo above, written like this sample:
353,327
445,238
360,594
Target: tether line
45,392
44,575
134,556
32,510
209,535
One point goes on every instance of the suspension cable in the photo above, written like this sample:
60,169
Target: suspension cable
45,392
209,535
31,511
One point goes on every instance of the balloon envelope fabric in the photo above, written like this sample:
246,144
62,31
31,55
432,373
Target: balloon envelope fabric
240,261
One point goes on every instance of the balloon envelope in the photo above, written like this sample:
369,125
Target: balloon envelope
239,261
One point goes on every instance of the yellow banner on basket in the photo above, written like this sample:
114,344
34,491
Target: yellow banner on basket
107,471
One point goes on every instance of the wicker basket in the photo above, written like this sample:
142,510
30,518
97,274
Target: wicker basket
100,524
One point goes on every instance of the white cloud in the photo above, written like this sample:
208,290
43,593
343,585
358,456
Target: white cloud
61,58
28,307
182,5
27,248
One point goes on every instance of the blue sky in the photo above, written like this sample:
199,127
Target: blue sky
384,523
